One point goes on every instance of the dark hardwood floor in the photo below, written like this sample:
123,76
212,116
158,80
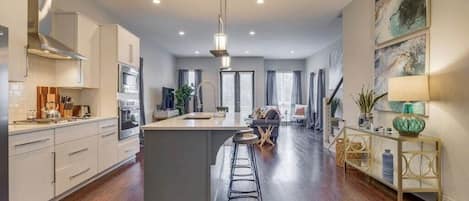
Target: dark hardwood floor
297,169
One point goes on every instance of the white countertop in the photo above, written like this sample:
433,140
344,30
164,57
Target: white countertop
230,122
15,129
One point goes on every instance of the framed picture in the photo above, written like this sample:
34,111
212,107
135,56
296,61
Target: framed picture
398,18
336,58
408,57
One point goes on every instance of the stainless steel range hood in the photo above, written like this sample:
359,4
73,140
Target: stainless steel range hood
43,45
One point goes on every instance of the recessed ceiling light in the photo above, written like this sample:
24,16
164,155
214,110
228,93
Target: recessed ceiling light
156,1
292,52
197,52
252,33
260,1
246,52
182,33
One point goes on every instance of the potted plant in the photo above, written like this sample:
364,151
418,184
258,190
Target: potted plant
183,96
366,101
335,104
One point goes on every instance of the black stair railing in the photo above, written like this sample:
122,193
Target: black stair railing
335,91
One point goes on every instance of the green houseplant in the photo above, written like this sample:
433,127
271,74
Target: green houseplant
183,96
335,104
366,101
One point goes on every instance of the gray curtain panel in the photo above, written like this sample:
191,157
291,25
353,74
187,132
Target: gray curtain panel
198,80
310,114
320,96
183,78
271,88
297,92
237,92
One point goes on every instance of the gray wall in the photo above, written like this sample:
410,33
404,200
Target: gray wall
159,65
210,71
449,70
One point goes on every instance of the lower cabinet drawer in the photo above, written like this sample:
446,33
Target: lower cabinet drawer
76,161
128,148
107,150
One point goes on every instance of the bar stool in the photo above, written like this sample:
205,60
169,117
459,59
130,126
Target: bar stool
248,138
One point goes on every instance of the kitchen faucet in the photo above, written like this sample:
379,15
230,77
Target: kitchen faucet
199,97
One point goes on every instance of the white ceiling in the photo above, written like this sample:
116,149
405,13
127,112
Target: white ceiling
303,26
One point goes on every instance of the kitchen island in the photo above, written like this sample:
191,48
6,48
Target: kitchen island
183,158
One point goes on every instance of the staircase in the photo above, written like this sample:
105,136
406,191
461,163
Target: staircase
333,126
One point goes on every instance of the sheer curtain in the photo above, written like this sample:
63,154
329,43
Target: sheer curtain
297,91
197,81
271,88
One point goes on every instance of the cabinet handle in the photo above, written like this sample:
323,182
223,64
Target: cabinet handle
80,173
128,150
79,151
80,72
33,142
53,169
131,53
108,126
26,73
109,134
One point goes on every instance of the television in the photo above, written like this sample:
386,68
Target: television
168,99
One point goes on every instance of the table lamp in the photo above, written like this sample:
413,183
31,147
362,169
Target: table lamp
408,89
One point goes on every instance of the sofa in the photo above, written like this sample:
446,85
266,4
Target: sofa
270,118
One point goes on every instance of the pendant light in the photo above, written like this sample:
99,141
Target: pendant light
220,38
225,61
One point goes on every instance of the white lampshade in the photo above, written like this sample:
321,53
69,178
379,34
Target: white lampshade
408,88
225,61
220,41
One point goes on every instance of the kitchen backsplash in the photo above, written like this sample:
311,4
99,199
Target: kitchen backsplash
22,95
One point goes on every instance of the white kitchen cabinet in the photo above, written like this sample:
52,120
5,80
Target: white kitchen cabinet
107,145
76,161
128,48
128,148
82,35
31,166
15,17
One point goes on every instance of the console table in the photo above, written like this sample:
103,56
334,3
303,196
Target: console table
417,160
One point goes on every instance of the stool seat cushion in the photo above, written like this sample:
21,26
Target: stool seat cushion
245,138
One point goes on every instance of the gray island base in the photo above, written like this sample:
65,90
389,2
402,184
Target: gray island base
184,158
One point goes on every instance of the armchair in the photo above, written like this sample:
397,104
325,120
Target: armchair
299,114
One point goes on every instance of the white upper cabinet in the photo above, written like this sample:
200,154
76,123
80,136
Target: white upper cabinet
128,47
15,17
82,35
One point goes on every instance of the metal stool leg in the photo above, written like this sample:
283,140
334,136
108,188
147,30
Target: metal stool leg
232,169
256,173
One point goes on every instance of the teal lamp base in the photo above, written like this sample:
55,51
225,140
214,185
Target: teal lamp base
408,124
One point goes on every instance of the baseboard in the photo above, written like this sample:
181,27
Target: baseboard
94,178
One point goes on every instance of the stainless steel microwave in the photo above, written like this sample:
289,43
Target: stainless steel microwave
128,79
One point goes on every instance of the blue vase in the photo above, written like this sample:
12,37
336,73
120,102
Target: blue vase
388,166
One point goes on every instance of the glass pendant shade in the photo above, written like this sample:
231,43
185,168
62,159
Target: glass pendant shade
220,41
225,61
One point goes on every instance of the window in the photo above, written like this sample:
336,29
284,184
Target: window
284,94
237,91
191,80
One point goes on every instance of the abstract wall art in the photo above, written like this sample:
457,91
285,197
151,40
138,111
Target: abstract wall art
405,58
396,18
